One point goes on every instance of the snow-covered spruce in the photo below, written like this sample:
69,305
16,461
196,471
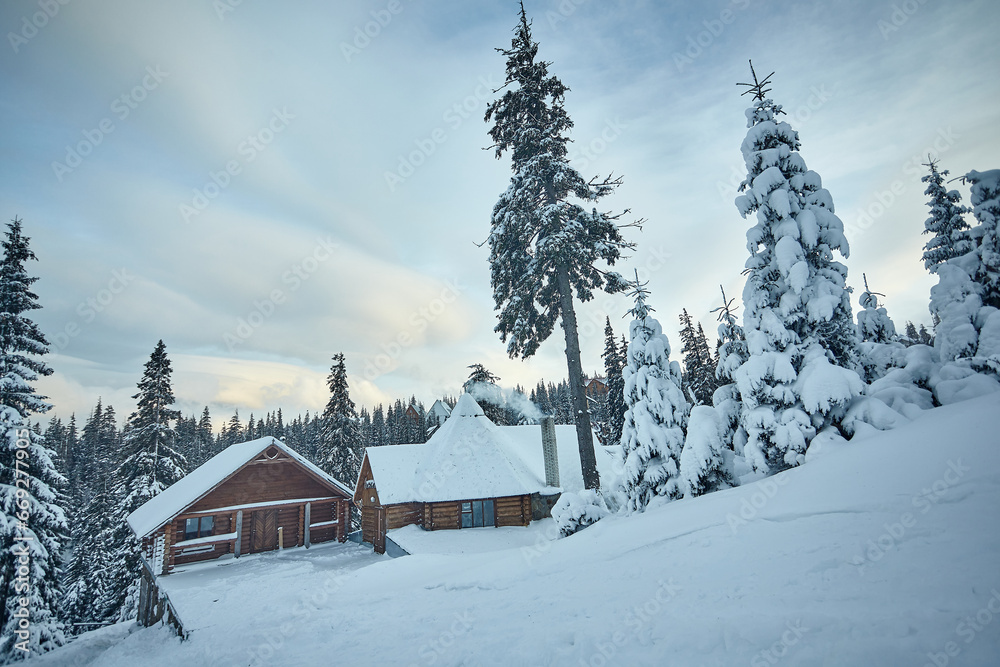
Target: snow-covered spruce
656,412
544,247
33,528
575,511
151,463
946,222
985,200
797,318
340,450
732,353
699,365
614,363
879,348
706,462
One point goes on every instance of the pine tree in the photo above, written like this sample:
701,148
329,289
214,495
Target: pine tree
699,366
985,200
339,452
151,463
880,347
656,411
797,312
614,363
946,222
32,519
482,384
203,436
543,247
732,354
874,323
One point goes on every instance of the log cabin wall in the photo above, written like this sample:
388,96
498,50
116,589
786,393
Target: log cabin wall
404,514
513,511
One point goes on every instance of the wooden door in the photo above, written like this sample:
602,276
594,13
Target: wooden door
264,531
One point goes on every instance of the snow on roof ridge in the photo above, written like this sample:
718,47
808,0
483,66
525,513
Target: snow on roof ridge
171,501
467,407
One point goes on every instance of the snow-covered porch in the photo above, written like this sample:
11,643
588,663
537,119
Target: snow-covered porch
260,585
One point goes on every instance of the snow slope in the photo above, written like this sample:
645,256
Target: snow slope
883,551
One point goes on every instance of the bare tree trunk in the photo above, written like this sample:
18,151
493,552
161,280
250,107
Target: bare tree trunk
581,413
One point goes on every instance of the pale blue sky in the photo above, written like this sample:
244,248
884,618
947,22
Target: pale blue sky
312,246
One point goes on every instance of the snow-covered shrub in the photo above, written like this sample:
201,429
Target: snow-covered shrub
575,511
706,461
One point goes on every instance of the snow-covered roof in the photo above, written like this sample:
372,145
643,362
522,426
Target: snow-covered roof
471,457
440,410
187,490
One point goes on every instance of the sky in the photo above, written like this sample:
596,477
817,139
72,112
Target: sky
262,185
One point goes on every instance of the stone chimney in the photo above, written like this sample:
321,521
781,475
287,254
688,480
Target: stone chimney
549,451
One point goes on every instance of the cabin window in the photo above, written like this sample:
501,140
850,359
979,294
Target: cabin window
477,514
198,527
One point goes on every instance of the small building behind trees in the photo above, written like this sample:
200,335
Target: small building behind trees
471,473
252,497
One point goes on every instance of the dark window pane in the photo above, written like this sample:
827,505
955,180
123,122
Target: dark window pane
466,519
466,507
489,517
206,525
190,529
477,514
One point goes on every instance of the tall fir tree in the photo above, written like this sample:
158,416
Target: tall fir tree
150,464
544,248
656,411
33,527
946,222
339,451
614,364
797,313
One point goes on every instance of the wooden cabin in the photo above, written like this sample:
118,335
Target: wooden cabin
471,473
252,497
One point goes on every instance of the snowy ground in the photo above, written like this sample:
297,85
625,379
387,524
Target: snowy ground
885,551
473,540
